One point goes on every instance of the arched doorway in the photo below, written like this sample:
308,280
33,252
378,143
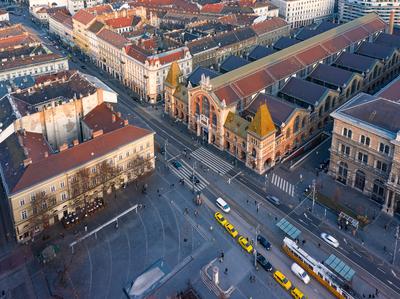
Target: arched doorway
342,173
268,163
359,181
378,191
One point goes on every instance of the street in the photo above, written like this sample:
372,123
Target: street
101,267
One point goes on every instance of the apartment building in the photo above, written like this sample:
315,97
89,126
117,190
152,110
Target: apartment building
352,9
299,13
365,146
23,54
73,6
63,146
60,24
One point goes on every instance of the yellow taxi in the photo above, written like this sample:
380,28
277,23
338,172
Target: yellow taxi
245,244
220,218
297,294
231,230
282,280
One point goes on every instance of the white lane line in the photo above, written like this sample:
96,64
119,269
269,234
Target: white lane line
356,253
381,270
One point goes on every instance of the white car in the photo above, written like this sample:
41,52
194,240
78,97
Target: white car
300,273
330,240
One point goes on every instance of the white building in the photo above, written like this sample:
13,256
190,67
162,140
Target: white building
145,74
72,5
352,9
304,12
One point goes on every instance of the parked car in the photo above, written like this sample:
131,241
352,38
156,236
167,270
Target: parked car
245,244
222,205
300,273
282,280
231,230
177,164
264,262
220,218
297,294
264,243
330,240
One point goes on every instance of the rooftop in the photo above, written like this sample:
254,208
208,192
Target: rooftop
308,92
374,50
19,177
332,75
103,118
28,60
195,76
236,124
231,63
259,52
285,42
354,62
391,91
112,38
388,40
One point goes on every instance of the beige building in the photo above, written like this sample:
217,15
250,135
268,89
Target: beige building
365,146
64,147
60,24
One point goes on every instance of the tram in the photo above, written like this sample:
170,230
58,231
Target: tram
338,287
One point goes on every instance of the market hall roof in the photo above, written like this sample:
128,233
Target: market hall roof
284,63
232,63
375,50
355,63
260,52
331,75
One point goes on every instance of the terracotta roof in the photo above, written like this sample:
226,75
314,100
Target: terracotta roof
83,17
121,22
262,123
171,56
18,41
173,75
19,62
36,145
11,31
78,155
60,16
313,54
213,8
269,25
112,38
258,80
136,53
236,124
227,94
100,9
103,118
283,63
96,27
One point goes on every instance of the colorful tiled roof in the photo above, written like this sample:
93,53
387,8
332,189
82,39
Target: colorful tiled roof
262,123
112,38
103,118
236,124
83,17
173,75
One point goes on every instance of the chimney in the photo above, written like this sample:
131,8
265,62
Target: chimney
391,22
27,162
126,122
97,133
63,147
113,118
75,142
46,154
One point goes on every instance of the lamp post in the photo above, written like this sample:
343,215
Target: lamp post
395,244
165,149
255,244
266,181
193,176
313,195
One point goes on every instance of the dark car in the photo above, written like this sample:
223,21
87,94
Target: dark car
264,243
264,262
83,67
194,179
177,164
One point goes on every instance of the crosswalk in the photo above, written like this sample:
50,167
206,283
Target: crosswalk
185,172
212,161
282,184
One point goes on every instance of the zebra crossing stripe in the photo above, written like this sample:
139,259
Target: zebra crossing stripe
212,161
184,173
282,184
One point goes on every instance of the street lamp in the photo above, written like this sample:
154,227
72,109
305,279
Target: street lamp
255,244
266,181
313,195
395,244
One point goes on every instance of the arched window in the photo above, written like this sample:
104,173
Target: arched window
197,108
254,153
206,107
288,133
296,124
303,122
342,172
214,119
359,182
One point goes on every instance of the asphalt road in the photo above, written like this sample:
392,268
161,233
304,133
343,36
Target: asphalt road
367,266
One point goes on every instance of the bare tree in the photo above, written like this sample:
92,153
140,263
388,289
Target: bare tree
41,206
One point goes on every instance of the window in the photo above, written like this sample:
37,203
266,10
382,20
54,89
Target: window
33,197
53,201
345,149
63,196
53,189
347,133
363,158
384,148
296,124
120,157
62,184
127,154
382,166
93,169
148,144
24,214
21,202
148,155
365,140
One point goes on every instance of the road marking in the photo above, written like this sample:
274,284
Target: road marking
381,270
211,160
394,273
356,253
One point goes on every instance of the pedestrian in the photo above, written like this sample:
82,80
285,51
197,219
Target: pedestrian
377,292
226,271
369,296
158,190
247,201
363,295
255,202
257,209
222,255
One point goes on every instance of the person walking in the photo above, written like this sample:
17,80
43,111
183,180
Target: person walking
226,271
